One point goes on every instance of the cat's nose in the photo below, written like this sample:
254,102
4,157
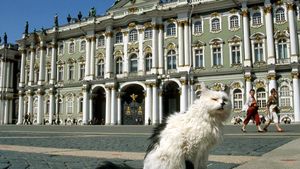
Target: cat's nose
222,104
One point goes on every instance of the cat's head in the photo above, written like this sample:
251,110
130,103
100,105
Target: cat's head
216,103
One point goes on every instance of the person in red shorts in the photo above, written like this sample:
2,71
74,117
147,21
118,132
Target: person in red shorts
252,112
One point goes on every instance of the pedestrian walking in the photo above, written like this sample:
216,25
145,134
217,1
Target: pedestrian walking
272,111
252,112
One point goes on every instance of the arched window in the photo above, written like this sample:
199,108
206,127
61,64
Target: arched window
171,60
256,19
72,47
148,33
82,45
148,62
133,63
119,65
101,41
279,15
133,35
100,68
171,29
69,105
285,96
237,99
119,37
261,98
258,52
215,24
234,22
198,27
282,49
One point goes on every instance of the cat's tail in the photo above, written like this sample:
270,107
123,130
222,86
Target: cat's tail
110,165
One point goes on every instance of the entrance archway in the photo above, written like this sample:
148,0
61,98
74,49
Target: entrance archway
133,105
99,102
171,98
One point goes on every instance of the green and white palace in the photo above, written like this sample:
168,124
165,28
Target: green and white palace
144,59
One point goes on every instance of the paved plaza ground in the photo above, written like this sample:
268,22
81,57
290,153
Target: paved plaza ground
78,147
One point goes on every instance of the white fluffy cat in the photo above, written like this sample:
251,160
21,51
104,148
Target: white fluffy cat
184,140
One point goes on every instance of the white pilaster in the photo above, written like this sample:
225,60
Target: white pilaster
246,33
293,33
91,114
52,106
40,113
183,96
269,33
248,85
155,112
296,95
154,47
8,71
113,106
108,53
31,66
88,59
85,105
180,44
161,49
125,59
187,43
30,105
148,103
119,109
272,83
21,108
160,105
53,64
141,58
108,107
6,112
92,57
22,74
42,64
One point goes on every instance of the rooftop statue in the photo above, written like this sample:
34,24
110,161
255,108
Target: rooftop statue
56,20
0,40
5,38
92,12
79,16
26,28
69,18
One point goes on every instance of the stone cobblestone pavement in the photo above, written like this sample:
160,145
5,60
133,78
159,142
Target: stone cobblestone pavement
79,147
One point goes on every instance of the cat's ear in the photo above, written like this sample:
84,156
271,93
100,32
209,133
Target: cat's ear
203,87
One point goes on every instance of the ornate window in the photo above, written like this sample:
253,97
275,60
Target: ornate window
282,50
81,71
60,73
133,35
258,52
148,62
61,49
171,29
217,56
215,25
171,60
261,98
80,109
48,74
148,33
38,53
71,72
199,59
100,68
234,22
198,27
256,19
47,107
101,41
35,106
60,106
119,37
119,65
235,54
133,63
280,15
69,105
82,45
237,99
71,47
285,96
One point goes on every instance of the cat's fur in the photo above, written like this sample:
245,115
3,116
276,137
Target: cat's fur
184,140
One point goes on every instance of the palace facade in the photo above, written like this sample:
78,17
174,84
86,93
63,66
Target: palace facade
143,60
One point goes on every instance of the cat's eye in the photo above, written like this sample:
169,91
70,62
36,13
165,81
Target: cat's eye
214,99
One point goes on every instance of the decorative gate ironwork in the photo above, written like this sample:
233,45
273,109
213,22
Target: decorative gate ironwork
133,112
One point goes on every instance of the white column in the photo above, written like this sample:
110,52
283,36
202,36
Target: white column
180,44
108,54
91,113
85,106
160,105
107,107
5,120
187,43
125,59
21,108
42,64
53,64
272,82
269,33
248,85
11,80
183,96
10,112
93,50
119,109
22,74
8,71
296,95
87,59
155,112
113,106
247,50
30,105
161,49
293,33
148,104
154,49
40,113
141,57
31,66
52,105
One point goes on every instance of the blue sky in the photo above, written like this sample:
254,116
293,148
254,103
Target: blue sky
40,13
